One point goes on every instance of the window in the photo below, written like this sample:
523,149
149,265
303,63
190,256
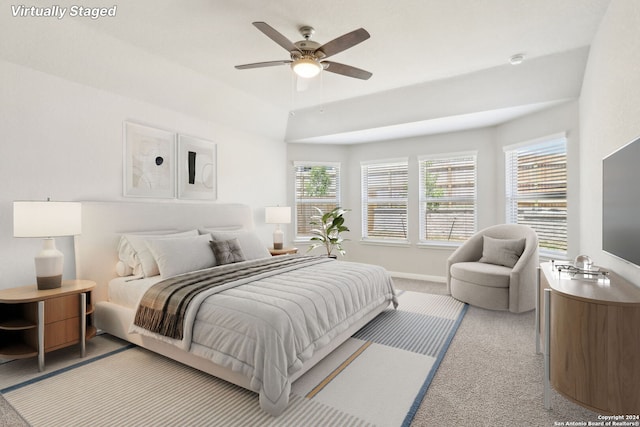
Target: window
384,200
536,190
447,197
317,184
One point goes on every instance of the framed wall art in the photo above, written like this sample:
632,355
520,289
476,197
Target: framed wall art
149,162
197,168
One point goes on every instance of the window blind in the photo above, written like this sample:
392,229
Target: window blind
536,190
384,200
447,198
316,185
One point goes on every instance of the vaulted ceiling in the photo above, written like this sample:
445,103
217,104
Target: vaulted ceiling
415,45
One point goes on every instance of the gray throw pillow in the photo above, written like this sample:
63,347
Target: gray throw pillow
502,251
252,247
227,251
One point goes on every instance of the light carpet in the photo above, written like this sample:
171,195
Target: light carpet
378,377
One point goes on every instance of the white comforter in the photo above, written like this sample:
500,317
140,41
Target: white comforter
266,328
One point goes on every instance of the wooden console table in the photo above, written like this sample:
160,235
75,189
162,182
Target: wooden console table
591,340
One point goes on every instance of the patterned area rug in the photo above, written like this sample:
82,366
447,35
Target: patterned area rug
377,378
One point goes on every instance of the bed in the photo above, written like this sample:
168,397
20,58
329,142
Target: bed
257,321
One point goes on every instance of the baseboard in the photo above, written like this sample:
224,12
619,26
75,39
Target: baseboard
415,276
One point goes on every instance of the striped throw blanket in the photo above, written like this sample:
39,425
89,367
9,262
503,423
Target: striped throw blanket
163,307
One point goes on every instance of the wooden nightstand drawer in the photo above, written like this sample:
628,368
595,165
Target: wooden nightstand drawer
61,334
61,308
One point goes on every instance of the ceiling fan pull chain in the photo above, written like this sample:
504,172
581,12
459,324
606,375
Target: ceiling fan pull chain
294,84
321,93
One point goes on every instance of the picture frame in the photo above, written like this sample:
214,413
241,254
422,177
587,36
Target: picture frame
197,168
149,162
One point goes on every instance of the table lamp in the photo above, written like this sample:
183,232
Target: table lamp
47,220
277,215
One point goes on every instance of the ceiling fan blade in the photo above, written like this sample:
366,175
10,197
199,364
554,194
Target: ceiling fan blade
343,42
262,64
346,70
274,35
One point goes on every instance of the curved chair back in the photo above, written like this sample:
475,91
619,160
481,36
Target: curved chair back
523,273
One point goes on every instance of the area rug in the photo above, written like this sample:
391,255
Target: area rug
377,378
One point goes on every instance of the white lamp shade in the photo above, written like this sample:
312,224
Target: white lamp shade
306,67
46,219
277,215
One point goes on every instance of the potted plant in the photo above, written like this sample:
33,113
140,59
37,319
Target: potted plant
327,235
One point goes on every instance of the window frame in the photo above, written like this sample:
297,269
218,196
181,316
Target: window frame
366,201
423,200
296,200
511,183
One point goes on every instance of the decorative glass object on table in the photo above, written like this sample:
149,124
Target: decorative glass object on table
581,269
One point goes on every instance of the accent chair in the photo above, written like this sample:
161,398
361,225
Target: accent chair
496,269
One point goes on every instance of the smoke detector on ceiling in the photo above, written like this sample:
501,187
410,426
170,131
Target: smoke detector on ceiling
516,59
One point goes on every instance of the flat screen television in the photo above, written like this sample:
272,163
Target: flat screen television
621,203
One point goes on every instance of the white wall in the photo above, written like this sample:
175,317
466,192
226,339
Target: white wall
312,153
430,262
561,119
609,118
412,259
407,259
64,140
538,80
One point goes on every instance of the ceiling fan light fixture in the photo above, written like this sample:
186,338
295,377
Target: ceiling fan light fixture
306,67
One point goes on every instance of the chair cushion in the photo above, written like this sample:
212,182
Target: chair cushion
502,251
483,274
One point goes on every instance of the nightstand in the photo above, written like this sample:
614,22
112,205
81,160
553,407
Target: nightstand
34,322
283,251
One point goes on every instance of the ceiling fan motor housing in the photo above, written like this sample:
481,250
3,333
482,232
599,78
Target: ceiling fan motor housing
308,49
307,45
307,31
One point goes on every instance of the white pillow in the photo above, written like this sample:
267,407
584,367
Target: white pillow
123,269
251,246
502,251
134,252
127,253
182,255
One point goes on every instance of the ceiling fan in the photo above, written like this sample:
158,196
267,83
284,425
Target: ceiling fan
308,57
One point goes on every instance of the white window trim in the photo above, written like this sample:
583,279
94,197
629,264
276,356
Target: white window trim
556,137
384,161
541,140
364,202
383,242
297,163
439,156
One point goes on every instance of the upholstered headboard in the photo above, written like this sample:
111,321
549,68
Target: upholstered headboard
96,251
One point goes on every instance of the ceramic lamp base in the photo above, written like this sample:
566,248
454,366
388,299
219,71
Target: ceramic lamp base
51,282
49,265
278,238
